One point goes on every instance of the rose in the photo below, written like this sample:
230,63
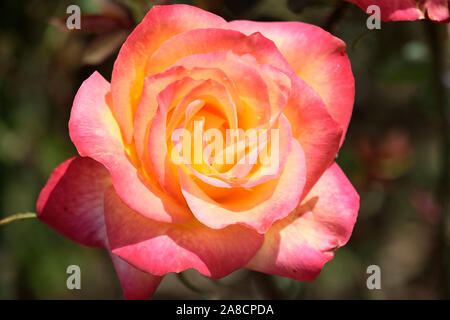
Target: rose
128,194
395,10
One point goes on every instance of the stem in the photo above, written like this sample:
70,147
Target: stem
17,216
359,38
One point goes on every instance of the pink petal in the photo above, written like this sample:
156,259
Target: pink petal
248,82
157,135
299,246
160,24
438,10
148,105
72,201
159,248
257,208
136,285
201,41
283,147
318,134
393,10
317,57
95,133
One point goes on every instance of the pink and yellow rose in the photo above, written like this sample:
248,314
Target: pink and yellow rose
127,194
396,10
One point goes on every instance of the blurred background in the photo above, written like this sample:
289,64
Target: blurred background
396,153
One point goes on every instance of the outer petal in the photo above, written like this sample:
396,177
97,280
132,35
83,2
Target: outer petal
438,10
136,285
159,248
299,246
318,134
72,203
202,41
160,24
257,208
95,133
393,10
323,65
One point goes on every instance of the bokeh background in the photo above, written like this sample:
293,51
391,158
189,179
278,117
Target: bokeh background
396,153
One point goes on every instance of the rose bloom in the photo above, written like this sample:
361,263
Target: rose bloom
154,215
395,10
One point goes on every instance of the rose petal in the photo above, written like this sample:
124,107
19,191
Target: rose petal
192,96
157,138
282,147
202,41
397,10
160,24
299,246
251,87
148,105
318,134
159,248
324,65
393,10
438,10
72,201
94,131
136,285
257,208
